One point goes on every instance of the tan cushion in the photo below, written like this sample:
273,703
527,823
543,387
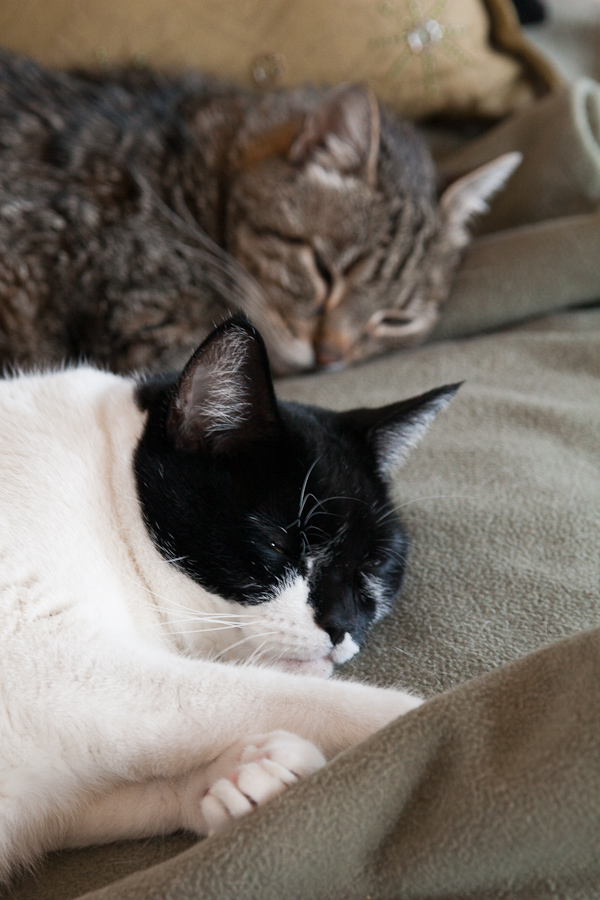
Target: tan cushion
455,56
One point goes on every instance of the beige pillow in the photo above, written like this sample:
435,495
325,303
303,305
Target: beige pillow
461,57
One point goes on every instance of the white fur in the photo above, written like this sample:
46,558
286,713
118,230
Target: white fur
394,445
328,177
469,195
218,390
114,720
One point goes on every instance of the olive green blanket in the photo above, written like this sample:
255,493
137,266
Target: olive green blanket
491,789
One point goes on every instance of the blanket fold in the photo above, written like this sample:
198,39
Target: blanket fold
513,275
537,248
490,791
559,176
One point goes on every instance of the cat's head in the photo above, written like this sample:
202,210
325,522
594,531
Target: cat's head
332,208
279,510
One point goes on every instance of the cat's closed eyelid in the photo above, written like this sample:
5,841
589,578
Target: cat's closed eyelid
389,323
323,269
373,562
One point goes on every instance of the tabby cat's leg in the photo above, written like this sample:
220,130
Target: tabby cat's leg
206,800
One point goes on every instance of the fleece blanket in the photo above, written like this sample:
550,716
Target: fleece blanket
492,788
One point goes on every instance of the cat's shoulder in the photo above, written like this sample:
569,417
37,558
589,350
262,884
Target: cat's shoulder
61,384
71,405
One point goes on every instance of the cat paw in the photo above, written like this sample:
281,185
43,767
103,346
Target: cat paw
268,764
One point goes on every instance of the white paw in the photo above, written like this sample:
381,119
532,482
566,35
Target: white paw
268,764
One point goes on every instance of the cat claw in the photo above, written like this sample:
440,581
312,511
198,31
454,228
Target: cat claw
268,765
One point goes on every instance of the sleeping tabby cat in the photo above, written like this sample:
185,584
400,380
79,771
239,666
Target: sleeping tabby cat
137,209
154,533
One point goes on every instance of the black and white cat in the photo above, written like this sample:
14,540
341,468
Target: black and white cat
153,536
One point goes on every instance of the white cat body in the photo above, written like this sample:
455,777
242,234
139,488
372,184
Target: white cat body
118,717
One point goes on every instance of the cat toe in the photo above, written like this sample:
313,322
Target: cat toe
260,781
294,754
224,803
268,765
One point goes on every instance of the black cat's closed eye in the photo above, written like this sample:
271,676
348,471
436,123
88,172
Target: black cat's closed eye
373,562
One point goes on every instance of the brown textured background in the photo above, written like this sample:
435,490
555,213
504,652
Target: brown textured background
485,68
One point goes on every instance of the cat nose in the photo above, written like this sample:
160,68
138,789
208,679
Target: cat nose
335,625
336,635
329,353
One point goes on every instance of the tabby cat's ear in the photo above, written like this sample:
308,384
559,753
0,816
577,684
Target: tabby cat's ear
392,431
224,400
342,133
468,196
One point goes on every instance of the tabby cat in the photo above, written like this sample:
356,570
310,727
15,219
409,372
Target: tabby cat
137,209
152,535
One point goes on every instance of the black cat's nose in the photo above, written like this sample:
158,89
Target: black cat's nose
336,634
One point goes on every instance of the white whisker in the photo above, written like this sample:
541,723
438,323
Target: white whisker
255,653
303,489
250,637
204,630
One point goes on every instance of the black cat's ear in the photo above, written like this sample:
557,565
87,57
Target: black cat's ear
224,400
392,431
342,133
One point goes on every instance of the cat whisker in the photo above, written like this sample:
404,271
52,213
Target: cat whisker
208,621
250,637
194,613
203,630
318,530
456,496
303,489
385,515
433,497
319,503
256,654
148,590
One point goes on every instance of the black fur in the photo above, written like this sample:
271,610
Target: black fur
301,484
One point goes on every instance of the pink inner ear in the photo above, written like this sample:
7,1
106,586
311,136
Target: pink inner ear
342,132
